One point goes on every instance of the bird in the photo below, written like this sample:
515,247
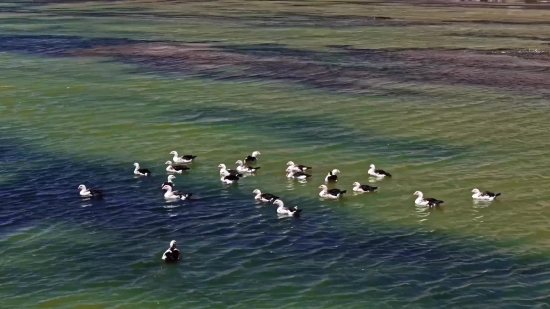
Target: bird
378,173
296,175
430,202
264,197
231,178
289,211
486,195
169,194
331,194
357,187
175,169
225,172
172,254
332,176
252,158
241,168
89,192
141,171
169,182
182,159
297,168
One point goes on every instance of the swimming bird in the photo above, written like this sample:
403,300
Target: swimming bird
169,194
332,176
430,202
225,172
231,178
89,192
289,211
182,159
175,169
377,173
172,254
331,194
357,187
241,168
253,158
141,171
486,195
297,168
169,182
296,175
264,197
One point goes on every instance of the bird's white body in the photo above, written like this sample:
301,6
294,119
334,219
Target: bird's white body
241,168
373,173
282,210
324,193
178,159
171,169
223,170
84,192
136,170
420,199
334,172
171,196
478,195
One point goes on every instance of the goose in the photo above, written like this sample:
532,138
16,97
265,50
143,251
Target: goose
141,171
175,169
252,158
89,192
357,187
331,194
169,194
182,159
172,254
378,173
296,175
169,182
264,197
289,211
297,168
241,168
231,178
430,202
332,176
486,195
225,172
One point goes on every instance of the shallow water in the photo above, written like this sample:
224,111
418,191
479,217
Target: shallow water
79,105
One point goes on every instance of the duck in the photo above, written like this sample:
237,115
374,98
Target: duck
264,197
486,195
231,178
252,158
182,159
357,187
169,194
169,182
89,192
297,168
226,172
429,202
141,171
172,254
175,169
332,176
331,194
296,175
289,211
241,168
377,173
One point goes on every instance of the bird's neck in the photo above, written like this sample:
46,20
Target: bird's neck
420,198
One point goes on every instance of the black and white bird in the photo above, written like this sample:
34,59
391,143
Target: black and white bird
182,159
428,201
226,172
141,171
89,192
296,175
485,195
169,194
378,173
357,187
252,158
297,168
241,168
264,197
169,182
332,176
288,211
330,194
231,178
172,254
175,169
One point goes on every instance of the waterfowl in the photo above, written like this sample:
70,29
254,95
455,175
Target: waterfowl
182,159
169,194
378,173
296,175
225,172
175,169
89,192
289,211
331,194
430,202
297,168
357,187
252,158
332,176
241,168
264,197
172,254
141,171
231,178
169,182
486,195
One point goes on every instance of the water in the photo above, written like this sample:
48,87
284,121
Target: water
81,104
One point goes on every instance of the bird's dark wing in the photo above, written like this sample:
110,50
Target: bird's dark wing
269,197
382,172
144,171
96,192
368,188
188,157
180,168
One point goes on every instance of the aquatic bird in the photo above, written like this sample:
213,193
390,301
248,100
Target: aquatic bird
297,168
172,254
430,202
253,158
225,172
289,211
331,194
182,159
486,195
241,168
378,173
89,192
141,171
332,176
169,182
264,197
231,178
357,187
296,175
175,169
169,194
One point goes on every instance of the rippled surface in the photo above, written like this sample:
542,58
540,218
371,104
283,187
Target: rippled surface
89,88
